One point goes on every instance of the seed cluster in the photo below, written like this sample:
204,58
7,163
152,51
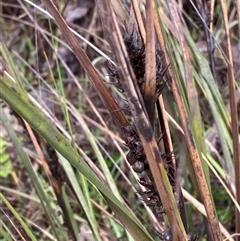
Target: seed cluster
166,235
150,196
55,167
136,156
137,159
136,54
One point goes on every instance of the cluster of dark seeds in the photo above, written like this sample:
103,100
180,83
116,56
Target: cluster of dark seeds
136,53
55,167
167,160
166,235
150,196
137,159
136,156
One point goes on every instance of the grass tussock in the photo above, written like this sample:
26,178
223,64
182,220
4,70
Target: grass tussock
120,120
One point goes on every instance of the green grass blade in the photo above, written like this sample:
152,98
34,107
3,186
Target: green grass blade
86,205
5,236
70,213
17,216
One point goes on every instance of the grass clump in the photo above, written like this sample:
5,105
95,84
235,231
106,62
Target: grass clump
121,112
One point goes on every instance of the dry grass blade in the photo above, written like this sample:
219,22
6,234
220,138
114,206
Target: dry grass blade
150,64
233,106
118,8
201,209
139,19
211,15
